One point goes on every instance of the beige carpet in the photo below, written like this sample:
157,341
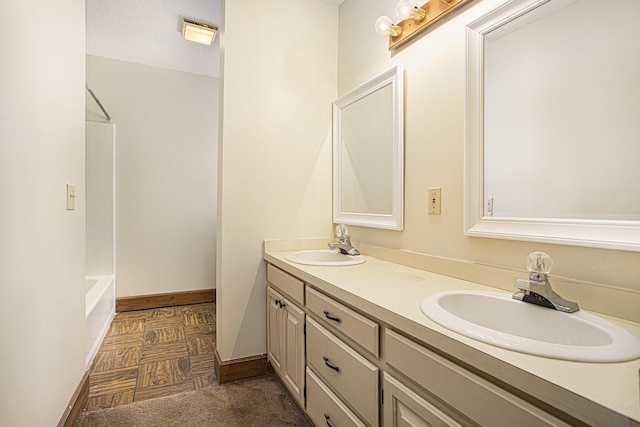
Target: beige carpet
256,402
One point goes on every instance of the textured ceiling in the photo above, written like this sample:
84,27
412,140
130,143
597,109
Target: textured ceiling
148,32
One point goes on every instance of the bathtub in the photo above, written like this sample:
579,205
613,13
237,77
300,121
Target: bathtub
100,309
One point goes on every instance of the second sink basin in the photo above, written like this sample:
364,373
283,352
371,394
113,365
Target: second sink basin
324,257
498,319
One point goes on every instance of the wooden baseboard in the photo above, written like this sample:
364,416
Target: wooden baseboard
242,368
78,400
145,302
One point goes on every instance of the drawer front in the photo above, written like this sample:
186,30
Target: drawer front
325,408
476,398
404,408
353,377
286,283
360,329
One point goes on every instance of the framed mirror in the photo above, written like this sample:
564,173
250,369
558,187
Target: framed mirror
552,131
368,153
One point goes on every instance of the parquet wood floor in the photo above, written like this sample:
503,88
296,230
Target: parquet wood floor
154,353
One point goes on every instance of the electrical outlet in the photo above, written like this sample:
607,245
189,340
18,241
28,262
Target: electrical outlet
71,197
435,196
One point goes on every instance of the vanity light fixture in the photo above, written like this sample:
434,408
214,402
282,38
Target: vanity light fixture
198,32
410,9
384,26
414,18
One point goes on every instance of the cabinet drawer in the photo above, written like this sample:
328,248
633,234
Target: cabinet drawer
475,397
404,408
286,283
363,331
325,408
353,377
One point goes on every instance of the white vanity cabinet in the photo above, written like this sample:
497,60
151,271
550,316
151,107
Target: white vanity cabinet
285,332
359,370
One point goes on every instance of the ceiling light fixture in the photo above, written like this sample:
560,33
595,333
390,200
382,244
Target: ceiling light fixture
198,32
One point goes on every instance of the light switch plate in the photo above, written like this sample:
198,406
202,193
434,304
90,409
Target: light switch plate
71,197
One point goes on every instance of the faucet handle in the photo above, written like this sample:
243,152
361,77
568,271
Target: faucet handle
539,262
342,230
522,284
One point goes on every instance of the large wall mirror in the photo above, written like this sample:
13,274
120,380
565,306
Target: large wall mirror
553,128
368,153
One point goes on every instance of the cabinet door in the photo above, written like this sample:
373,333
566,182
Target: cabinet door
293,348
404,408
274,329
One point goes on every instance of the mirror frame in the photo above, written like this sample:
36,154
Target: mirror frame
609,234
395,220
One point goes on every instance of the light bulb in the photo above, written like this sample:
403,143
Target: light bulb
410,9
384,27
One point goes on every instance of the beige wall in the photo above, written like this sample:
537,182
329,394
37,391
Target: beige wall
165,174
434,136
279,79
42,245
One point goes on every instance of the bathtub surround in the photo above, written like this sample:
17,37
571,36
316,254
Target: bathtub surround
100,311
100,143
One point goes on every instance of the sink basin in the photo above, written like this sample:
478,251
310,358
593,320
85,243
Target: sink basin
496,318
324,257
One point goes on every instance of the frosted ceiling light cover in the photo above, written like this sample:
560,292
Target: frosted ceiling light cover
198,32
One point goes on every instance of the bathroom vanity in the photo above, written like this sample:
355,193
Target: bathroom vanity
353,347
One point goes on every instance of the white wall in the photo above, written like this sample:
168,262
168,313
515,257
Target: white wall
100,213
434,137
279,79
41,243
165,174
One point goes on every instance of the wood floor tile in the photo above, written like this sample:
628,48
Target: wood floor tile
116,359
203,364
163,313
197,318
192,330
157,352
164,390
201,344
110,382
164,335
126,326
122,341
166,322
164,372
153,353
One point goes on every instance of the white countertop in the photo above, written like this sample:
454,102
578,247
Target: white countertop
393,293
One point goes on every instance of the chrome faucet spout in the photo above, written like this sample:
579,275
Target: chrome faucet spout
537,290
344,246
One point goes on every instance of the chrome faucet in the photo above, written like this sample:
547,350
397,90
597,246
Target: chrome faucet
538,290
344,241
